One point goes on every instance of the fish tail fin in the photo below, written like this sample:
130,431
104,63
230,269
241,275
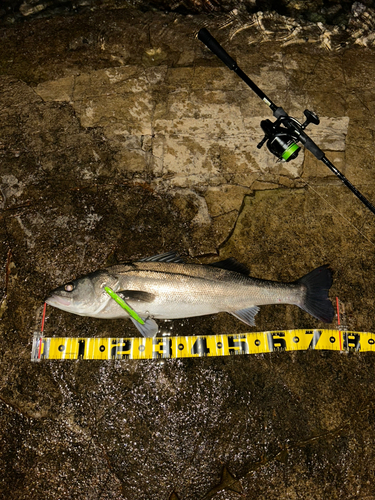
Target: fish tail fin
316,301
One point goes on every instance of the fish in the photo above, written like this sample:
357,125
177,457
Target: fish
165,287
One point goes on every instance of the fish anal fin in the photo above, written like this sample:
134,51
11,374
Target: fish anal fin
247,315
136,295
231,264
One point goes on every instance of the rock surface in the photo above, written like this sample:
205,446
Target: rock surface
122,136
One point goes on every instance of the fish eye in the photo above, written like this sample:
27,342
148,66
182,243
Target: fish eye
69,287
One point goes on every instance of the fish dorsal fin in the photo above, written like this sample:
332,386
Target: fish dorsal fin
231,264
163,257
247,315
137,295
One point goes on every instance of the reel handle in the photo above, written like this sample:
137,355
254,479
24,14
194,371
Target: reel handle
311,117
205,36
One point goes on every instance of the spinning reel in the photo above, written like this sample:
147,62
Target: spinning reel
281,139
282,135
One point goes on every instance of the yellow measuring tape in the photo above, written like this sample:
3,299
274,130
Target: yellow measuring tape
199,346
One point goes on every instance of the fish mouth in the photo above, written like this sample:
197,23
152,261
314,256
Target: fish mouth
57,300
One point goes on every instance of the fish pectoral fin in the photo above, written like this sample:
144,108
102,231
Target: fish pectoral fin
137,295
247,315
148,329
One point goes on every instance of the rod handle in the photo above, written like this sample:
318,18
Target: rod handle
205,36
311,146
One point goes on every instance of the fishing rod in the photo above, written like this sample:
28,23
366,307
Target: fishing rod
283,134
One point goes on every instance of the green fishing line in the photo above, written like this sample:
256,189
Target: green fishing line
124,305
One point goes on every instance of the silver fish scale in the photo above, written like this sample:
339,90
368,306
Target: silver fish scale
205,288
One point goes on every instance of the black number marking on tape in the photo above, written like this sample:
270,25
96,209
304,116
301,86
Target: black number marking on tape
238,344
276,342
81,349
200,347
161,348
352,342
121,349
316,334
